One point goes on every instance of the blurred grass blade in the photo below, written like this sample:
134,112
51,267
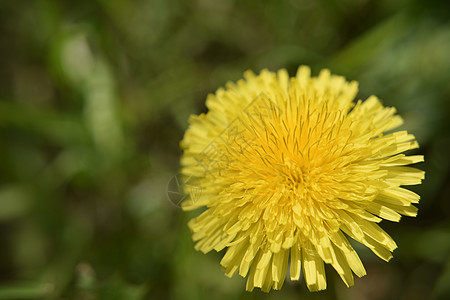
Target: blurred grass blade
25,291
442,287
101,111
61,129
365,47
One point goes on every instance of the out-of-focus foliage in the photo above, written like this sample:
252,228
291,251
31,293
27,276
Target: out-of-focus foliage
95,97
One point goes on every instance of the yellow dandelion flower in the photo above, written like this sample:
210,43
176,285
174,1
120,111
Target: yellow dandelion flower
288,169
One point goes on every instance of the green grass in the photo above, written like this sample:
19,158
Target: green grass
96,95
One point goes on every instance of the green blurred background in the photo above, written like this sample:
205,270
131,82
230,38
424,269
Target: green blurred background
95,97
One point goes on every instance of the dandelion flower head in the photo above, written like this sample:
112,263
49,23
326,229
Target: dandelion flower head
288,169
